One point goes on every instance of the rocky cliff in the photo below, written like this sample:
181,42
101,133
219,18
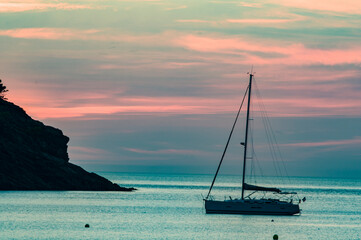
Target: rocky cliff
34,157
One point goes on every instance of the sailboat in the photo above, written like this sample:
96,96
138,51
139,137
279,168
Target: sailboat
281,203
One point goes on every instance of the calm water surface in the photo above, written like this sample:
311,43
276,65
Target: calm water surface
171,207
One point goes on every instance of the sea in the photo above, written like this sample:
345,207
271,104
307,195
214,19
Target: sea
170,206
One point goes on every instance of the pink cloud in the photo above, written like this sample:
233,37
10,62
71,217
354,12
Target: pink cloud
355,141
193,21
44,106
318,75
345,6
243,4
170,106
102,104
140,0
164,65
171,65
58,112
249,21
229,47
262,20
17,6
47,33
292,54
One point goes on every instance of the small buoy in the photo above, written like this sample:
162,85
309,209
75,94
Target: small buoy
275,237
87,225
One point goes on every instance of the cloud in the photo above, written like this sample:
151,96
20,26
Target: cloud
283,105
355,141
71,112
168,151
131,106
345,6
103,35
176,8
312,107
87,150
239,3
15,6
280,53
87,153
320,75
249,51
287,18
263,20
140,0
194,21
221,44
160,65
48,33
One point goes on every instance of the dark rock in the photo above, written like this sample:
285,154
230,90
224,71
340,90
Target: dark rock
34,157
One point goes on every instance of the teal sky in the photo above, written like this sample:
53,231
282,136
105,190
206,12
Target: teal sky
155,85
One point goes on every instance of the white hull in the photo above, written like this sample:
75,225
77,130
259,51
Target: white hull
252,207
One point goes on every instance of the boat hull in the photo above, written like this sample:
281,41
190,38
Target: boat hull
251,207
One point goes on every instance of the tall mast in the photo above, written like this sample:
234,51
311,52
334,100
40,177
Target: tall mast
229,139
246,135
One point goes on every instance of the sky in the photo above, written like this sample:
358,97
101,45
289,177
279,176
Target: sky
154,85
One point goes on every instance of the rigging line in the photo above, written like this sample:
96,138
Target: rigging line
271,144
268,130
278,151
229,139
261,107
276,148
258,165
275,145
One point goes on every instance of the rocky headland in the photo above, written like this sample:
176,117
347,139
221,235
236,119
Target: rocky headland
34,157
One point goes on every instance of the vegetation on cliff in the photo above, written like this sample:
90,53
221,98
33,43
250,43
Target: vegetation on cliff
3,90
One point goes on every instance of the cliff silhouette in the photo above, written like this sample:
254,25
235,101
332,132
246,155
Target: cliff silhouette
34,157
